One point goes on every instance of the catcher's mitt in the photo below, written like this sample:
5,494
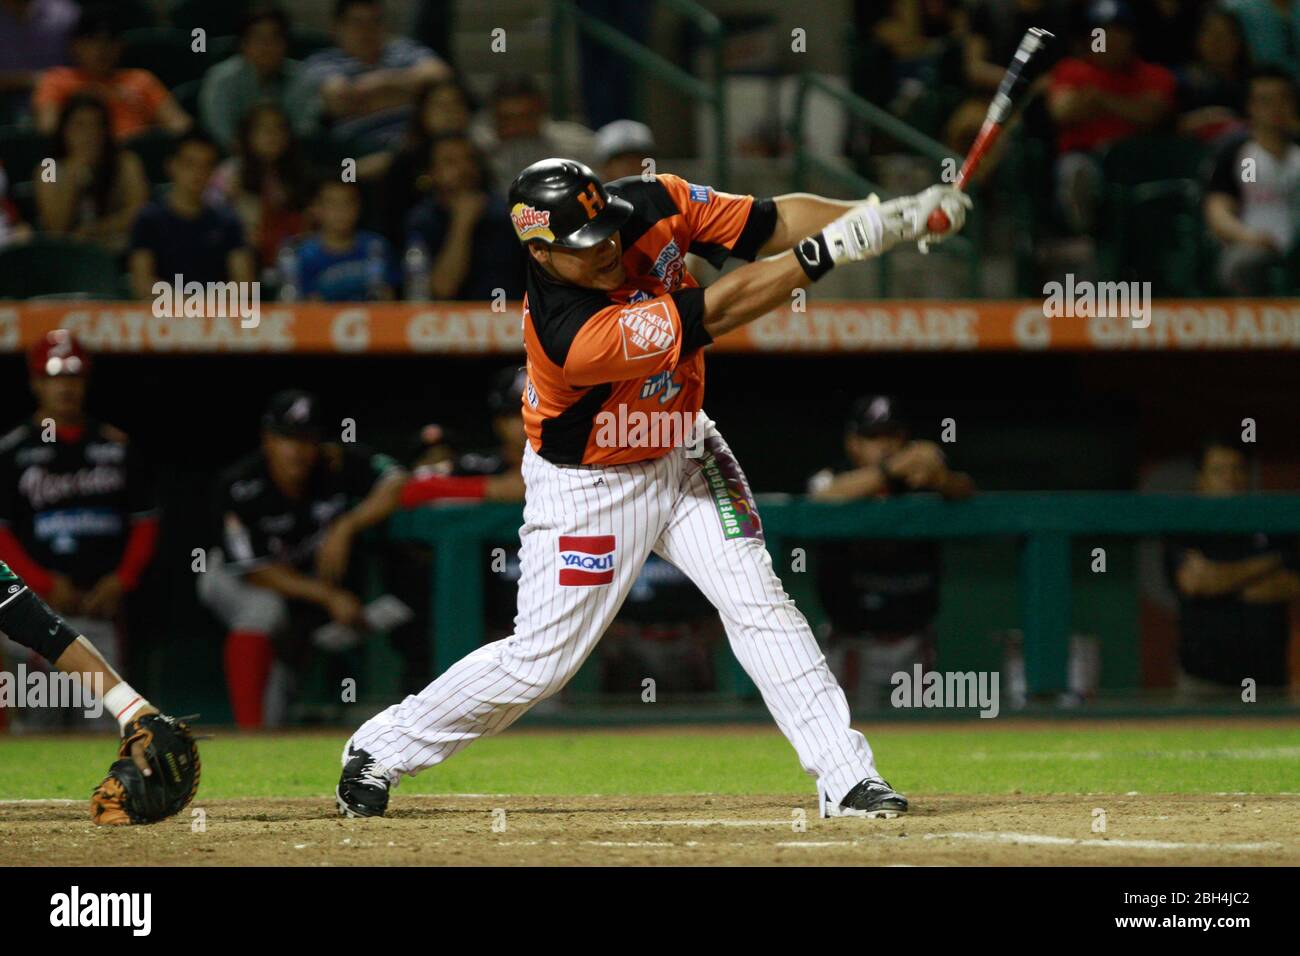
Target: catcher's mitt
128,796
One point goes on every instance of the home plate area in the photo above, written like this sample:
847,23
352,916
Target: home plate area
1011,830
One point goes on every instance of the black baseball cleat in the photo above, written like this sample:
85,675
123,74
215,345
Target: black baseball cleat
363,787
872,798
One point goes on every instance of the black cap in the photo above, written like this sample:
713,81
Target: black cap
563,203
876,415
507,387
295,413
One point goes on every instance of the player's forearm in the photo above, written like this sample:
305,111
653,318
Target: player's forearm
291,583
380,504
1277,587
851,485
799,215
751,291
1226,577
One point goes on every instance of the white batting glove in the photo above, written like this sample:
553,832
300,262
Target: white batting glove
954,204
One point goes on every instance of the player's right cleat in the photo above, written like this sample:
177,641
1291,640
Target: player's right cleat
363,787
872,798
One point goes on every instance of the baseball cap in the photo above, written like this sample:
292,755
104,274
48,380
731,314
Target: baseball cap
876,415
623,136
294,413
58,353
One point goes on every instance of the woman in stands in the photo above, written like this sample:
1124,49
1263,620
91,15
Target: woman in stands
94,189
266,182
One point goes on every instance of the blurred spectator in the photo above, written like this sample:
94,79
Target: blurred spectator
258,73
622,147
1252,201
521,132
290,515
338,262
463,230
265,182
1212,86
33,37
12,227
881,597
370,81
1272,30
444,107
1166,29
77,513
1104,97
181,234
137,101
994,33
1232,591
919,39
98,188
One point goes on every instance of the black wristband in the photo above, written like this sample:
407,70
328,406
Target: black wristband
814,256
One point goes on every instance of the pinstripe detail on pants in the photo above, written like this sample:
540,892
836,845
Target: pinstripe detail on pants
669,505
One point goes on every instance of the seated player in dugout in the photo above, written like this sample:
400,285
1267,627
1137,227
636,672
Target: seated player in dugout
290,514
881,596
1233,592
614,330
78,516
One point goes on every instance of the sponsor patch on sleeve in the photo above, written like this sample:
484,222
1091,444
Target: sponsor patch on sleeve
586,560
699,193
647,330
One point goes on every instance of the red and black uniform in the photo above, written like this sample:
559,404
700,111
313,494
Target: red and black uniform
78,506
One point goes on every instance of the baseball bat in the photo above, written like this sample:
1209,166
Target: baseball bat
1010,92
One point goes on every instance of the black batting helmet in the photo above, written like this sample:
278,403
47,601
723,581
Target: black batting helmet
561,202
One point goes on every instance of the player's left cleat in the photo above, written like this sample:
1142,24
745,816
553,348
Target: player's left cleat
363,787
872,798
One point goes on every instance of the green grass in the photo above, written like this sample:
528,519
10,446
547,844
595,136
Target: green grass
962,759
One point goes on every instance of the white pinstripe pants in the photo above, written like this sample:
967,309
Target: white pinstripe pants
693,513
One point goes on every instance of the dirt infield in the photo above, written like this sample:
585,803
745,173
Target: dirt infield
1181,830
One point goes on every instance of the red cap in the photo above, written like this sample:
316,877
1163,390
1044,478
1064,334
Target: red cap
58,353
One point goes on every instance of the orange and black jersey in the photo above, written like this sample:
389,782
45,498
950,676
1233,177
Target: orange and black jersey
599,358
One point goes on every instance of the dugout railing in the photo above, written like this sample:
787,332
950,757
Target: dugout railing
1046,526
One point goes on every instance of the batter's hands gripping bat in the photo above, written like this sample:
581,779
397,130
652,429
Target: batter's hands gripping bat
1010,93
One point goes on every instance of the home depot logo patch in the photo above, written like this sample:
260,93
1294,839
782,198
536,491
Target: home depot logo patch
647,331
531,223
586,560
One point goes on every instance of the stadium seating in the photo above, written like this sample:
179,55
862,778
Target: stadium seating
62,268
21,149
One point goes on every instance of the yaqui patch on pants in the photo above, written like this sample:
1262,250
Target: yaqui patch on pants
730,492
586,560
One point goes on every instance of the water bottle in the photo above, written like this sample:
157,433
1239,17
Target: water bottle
417,271
376,269
287,266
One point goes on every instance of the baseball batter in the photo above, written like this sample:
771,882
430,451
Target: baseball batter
615,328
